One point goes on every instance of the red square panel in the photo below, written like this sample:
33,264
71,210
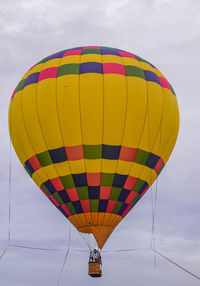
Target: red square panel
35,163
130,197
85,205
48,73
66,209
130,183
72,193
127,154
72,53
105,192
110,206
113,68
93,179
74,152
158,165
57,184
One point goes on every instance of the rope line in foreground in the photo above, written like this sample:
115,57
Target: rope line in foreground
2,255
189,272
34,248
65,259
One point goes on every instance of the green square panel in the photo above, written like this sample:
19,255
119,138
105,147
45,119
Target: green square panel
83,193
20,85
67,181
138,185
58,198
141,157
91,51
117,207
134,200
68,69
94,205
134,71
44,158
107,179
92,151
115,192
46,190
70,208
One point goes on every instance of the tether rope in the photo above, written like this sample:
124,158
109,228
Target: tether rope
35,248
65,259
176,264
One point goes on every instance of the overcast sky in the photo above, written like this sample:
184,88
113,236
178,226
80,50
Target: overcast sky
166,33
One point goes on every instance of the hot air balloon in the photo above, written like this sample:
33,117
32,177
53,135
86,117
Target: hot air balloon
94,127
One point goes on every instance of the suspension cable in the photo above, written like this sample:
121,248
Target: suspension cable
9,187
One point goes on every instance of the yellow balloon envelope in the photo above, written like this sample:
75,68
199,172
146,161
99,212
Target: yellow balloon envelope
94,127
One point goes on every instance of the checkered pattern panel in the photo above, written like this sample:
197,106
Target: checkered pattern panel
92,67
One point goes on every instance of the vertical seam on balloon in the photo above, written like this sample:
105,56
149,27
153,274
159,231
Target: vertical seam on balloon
170,133
156,136
143,124
125,118
91,223
25,128
59,123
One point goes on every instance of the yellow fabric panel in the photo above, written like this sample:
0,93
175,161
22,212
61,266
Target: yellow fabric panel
93,165
148,175
115,102
40,177
123,167
146,66
111,59
153,117
63,168
69,109
19,136
155,101
157,72
136,170
109,166
166,122
51,63
37,68
91,102
131,62
48,113
75,59
144,140
51,171
91,58
14,136
77,166
173,134
136,111
31,121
